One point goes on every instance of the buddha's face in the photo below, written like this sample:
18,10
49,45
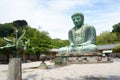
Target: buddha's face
77,20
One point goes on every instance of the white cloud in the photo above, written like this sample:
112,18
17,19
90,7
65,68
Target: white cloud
104,21
12,9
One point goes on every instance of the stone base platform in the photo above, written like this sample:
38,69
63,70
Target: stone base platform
81,54
78,58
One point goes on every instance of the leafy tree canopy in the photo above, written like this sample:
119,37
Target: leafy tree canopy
116,28
106,37
6,29
20,23
57,43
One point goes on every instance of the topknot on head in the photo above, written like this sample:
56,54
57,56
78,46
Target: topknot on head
78,14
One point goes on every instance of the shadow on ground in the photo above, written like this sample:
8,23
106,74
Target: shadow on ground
32,77
94,78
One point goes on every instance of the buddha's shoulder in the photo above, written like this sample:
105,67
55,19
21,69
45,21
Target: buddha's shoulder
88,26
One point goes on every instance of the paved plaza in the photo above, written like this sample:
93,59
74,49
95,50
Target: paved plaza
30,71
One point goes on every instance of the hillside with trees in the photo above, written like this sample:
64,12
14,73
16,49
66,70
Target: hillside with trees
39,41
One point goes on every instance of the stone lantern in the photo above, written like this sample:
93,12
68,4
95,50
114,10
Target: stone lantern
43,65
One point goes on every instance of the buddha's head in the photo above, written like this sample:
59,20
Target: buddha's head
78,19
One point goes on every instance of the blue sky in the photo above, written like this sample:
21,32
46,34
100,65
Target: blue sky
54,16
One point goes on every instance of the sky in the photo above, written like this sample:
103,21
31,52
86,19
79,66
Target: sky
54,16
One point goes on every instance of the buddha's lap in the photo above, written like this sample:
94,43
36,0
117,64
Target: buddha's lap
86,47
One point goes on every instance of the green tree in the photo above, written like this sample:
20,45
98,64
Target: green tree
116,49
57,43
20,23
39,40
116,29
106,37
6,29
66,42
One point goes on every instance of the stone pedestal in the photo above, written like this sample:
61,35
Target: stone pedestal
14,69
86,57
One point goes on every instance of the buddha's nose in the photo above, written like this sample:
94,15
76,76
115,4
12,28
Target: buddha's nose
76,20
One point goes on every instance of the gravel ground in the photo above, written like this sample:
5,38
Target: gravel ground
101,71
